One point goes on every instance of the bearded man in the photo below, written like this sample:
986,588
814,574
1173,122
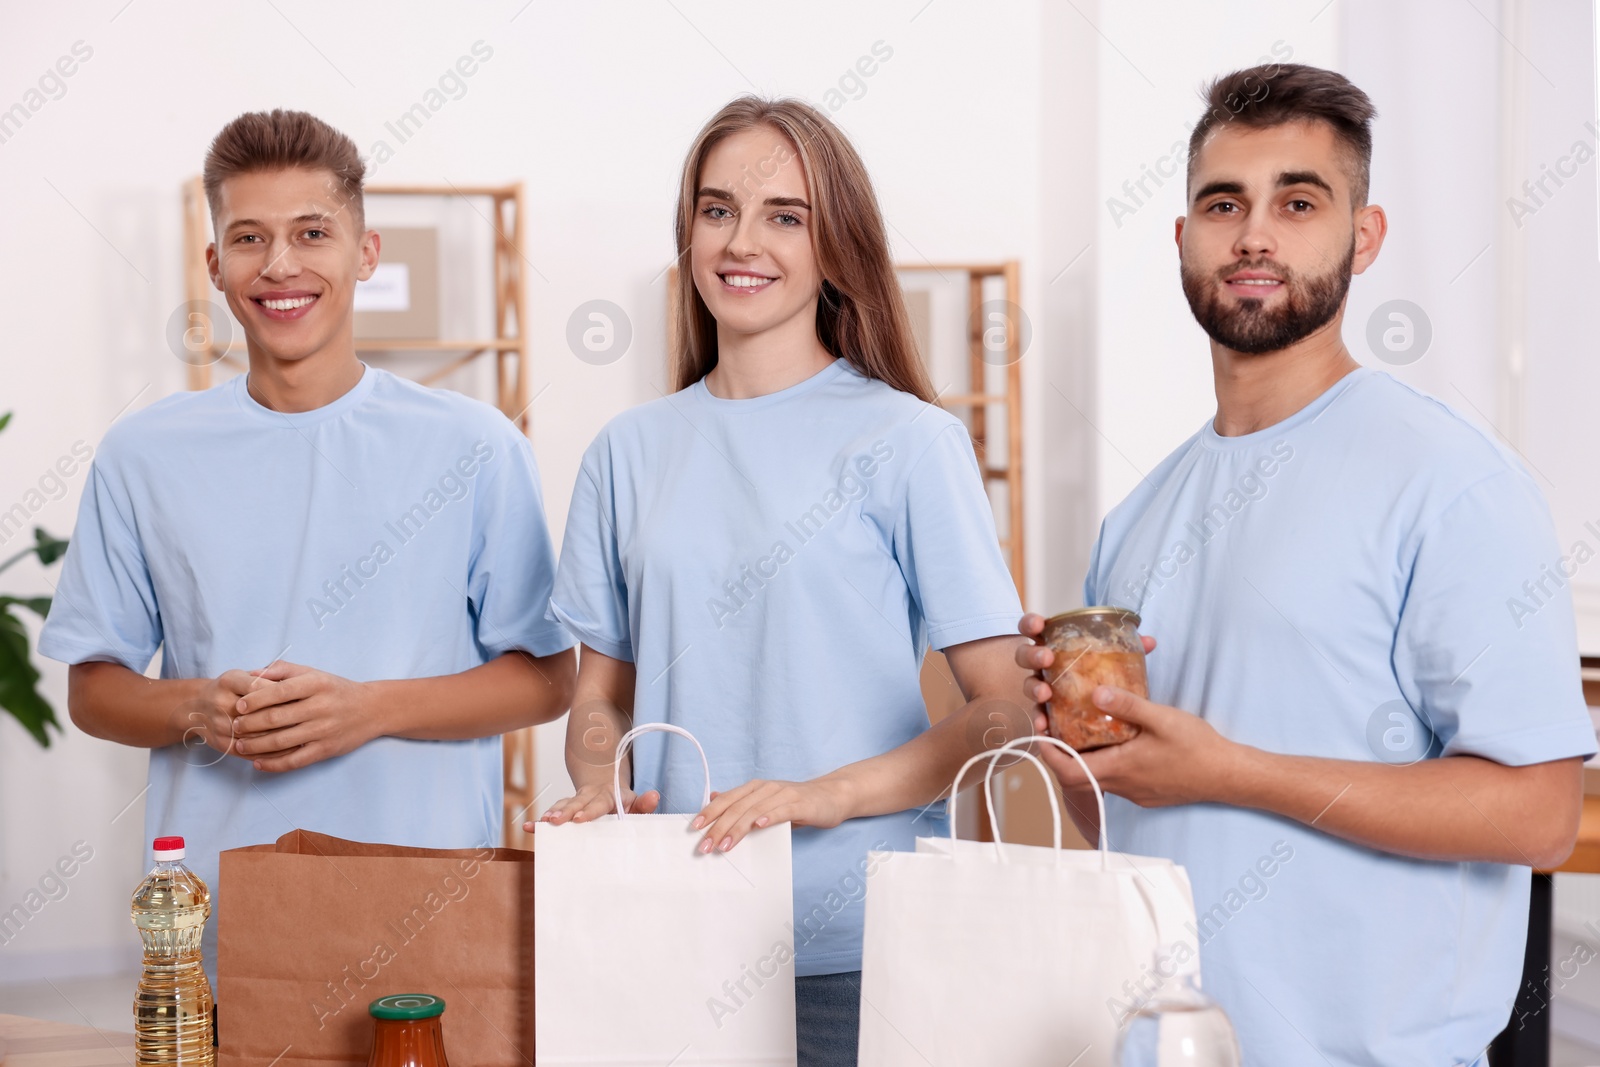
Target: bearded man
1352,744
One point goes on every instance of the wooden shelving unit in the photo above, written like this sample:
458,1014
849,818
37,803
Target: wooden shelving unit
508,346
992,440
977,401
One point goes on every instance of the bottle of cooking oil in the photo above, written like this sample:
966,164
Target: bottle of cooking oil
172,1005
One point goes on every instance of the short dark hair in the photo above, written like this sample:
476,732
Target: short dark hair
1275,94
279,139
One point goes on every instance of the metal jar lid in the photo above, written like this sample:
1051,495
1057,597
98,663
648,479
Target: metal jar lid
1122,614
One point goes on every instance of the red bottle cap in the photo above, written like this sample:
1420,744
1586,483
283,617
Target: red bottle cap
168,849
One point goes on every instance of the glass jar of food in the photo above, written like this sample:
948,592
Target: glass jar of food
407,1033
1093,647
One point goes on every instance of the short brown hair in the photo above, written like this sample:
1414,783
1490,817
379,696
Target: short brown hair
279,139
1278,93
861,313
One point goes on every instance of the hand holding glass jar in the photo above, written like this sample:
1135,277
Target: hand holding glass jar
1093,646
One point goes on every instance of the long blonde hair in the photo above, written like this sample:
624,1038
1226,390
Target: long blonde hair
861,313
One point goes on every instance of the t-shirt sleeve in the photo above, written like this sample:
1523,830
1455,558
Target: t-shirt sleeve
591,594
1486,647
945,542
1091,580
105,604
512,565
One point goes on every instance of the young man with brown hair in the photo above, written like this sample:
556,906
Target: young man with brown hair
1351,745
346,572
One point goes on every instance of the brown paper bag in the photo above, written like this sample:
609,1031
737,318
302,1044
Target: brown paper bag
314,928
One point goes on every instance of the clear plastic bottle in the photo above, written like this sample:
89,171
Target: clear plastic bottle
172,1005
1178,1027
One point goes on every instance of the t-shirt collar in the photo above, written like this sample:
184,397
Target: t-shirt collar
705,396
1308,414
351,399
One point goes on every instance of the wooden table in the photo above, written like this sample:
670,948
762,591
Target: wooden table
1526,1041
1585,858
33,1043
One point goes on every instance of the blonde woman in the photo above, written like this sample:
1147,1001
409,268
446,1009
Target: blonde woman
764,556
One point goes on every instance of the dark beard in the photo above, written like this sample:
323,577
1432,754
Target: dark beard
1244,326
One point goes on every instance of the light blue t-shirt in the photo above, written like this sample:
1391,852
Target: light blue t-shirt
397,532
1345,585
776,568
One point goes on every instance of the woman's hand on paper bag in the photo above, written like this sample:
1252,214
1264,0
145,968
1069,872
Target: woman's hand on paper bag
593,801
758,804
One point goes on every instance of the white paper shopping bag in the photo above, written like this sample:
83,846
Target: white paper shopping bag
984,953
647,952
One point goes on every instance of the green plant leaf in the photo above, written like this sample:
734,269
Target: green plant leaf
49,548
19,681
4,419
39,605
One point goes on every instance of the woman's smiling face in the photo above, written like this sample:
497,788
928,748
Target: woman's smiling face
750,247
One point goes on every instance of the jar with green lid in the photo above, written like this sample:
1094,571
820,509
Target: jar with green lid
408,1032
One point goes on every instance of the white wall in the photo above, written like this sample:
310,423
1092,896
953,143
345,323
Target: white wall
996,130
1153,360
593,105
1561,436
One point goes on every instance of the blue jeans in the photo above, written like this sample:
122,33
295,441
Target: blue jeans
827,1019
